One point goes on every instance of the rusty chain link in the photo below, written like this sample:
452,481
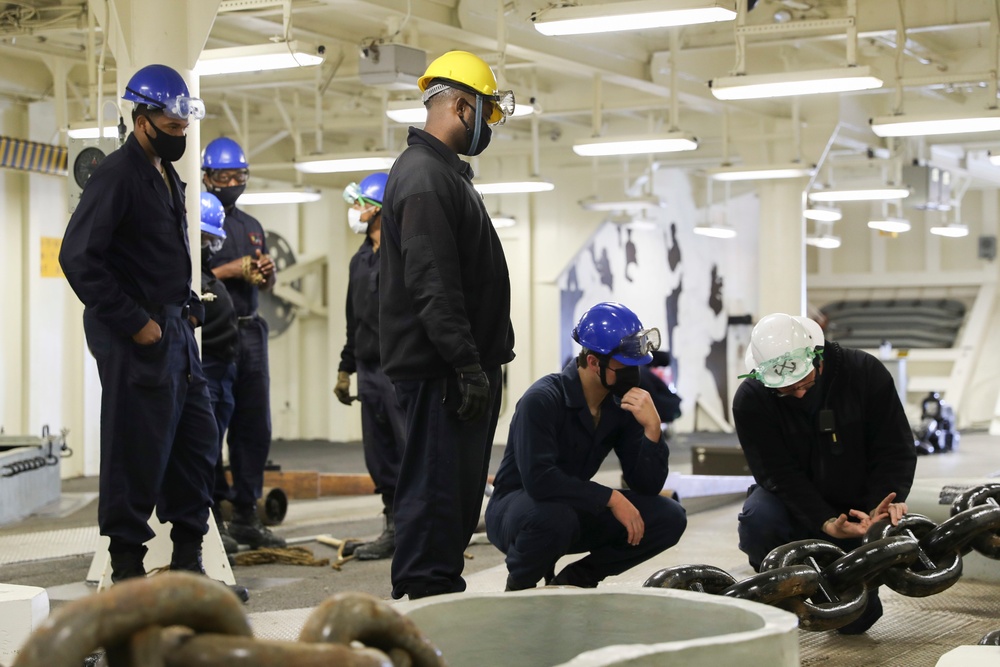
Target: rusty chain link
178,619
828,588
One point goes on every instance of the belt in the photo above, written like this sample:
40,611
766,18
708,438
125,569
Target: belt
245,320
167,311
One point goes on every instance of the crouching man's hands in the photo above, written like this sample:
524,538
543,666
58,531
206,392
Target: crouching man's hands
627,515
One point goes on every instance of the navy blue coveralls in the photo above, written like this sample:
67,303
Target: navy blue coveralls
444,303
544,504
249,436
126,255
220,340
806,475
382,420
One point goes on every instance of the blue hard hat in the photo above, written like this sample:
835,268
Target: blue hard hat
373,187
162,87
223,153
213,216
611,329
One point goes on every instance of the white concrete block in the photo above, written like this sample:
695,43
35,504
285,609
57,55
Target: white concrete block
22,610
971,656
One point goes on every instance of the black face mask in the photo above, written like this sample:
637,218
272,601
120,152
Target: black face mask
626,378
167,146
228,195
479,137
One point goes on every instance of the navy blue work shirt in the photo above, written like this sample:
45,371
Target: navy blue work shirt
554,448
361,309
126,248
244,236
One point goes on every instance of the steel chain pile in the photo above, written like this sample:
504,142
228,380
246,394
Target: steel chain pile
179,619
828,588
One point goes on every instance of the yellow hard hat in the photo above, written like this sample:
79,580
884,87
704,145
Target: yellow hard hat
472,73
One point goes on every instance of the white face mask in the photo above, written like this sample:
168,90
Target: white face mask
354,221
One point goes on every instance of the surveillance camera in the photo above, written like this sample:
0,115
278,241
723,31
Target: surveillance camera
363,52
321,49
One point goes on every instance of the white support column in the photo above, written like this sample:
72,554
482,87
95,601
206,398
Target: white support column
781,254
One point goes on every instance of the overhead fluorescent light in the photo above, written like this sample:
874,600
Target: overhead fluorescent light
627,205
413,112
634,15
335,163
860,194
761,173
783,84
90,131
995,160
276,196
513,187
257,57
955,230
918,126
501,221
890,225
823,213
825,241
715,231
671,142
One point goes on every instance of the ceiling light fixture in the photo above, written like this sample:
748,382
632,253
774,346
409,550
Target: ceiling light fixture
715,231
890,225
670,142
859,194
336,163
501,221
627,205
906,125
633,15
514,187
282,196
90,131
825,241
994,159
955,230
257,57
413,112
783,84
761,172
823,213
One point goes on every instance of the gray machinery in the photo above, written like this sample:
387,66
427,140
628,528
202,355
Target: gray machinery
83,156
287,300
29,473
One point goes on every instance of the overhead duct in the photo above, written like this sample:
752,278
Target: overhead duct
32,156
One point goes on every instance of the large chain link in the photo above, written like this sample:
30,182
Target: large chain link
828,588
178,619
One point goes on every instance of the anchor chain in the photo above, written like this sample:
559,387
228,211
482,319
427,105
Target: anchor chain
178,619
827,588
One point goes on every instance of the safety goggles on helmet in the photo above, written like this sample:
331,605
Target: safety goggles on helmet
352,195
181,107
787,369
502,101
638,344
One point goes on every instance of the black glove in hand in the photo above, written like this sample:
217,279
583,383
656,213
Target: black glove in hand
474,387
342,390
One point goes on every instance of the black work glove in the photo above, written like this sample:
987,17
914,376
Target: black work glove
474,388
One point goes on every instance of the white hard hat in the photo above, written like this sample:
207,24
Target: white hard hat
782,349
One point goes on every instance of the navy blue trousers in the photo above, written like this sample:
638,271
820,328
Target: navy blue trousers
534,535
249,436
221,377
158,434
383,428
439,493
765,523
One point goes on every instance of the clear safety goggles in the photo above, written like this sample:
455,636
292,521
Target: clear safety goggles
775,372
639,344
181,107
502,101
352,195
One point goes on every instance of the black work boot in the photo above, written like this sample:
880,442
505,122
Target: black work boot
247,528
228,543
571,575
126,563
382,546
187,557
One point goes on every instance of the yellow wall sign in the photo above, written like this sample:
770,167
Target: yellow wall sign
50,257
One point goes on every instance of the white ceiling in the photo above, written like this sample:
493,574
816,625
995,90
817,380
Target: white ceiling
950,58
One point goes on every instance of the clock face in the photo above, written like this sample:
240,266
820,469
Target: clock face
85,164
